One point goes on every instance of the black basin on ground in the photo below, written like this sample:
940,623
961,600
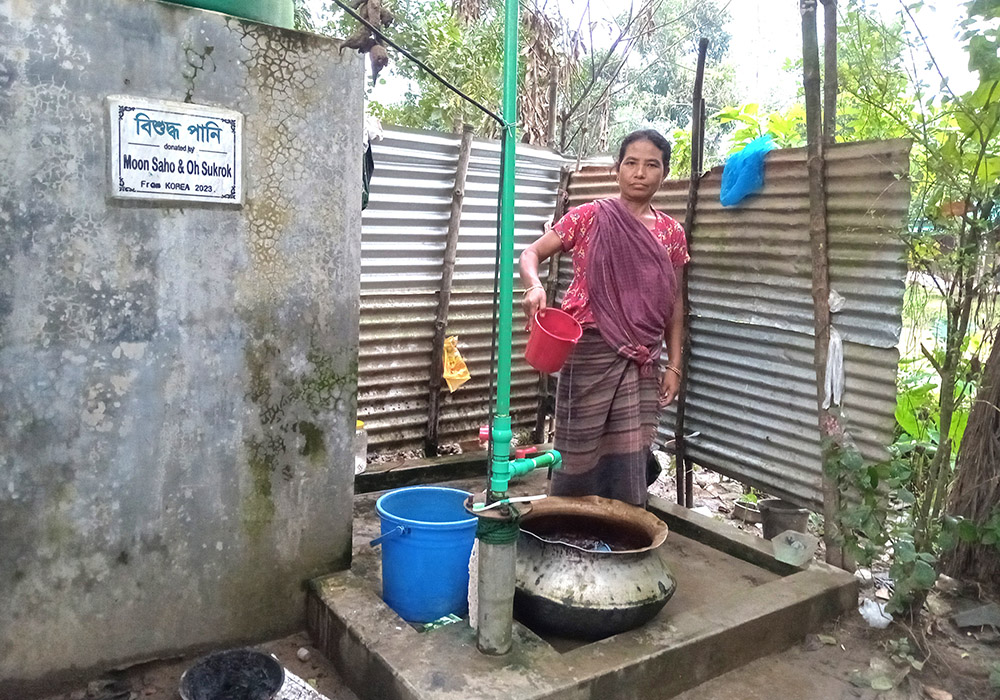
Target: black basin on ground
237,674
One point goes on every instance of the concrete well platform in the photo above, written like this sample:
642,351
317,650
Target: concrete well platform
734,603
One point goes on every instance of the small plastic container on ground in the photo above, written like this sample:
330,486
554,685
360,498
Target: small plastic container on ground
360,448
795,548
243,673
553,335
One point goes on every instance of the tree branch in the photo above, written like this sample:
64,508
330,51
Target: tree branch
930,358
622,36
944,80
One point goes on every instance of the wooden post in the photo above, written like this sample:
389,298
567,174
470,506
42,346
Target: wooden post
830,82
684,471
546,402
550,137
444,297
819,240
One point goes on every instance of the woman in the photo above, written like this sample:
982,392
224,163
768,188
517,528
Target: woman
624,294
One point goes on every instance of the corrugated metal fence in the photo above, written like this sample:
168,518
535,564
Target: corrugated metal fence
752,392
752,384
402,253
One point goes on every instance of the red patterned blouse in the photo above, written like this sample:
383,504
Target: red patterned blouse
574,232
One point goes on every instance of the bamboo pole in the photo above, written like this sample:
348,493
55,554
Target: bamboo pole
550,136
684,471
444,298
546,403
819,239
830,81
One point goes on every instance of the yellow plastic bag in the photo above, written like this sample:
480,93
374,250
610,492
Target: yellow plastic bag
455,371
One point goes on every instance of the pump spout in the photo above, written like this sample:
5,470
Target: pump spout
522,466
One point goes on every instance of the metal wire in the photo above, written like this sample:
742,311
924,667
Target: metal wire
423,66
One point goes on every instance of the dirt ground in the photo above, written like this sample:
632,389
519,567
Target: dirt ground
843,660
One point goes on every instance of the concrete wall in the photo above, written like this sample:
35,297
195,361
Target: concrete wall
177,383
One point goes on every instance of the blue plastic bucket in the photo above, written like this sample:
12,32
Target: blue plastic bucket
426,539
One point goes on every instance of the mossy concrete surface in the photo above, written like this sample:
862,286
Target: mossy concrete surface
177,382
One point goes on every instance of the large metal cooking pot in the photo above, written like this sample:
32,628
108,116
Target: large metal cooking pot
588,568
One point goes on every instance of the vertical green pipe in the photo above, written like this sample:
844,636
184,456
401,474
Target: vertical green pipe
501,433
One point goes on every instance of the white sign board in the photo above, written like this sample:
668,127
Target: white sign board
175,151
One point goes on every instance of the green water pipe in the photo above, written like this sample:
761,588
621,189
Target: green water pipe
522,466
503,469
501,433
497,538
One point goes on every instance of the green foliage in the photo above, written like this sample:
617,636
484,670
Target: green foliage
875,86
470,56
644,79
680,154
303,17
752,495
902,652
995,677
880,514
918,408
990,531
968,531
983,44
955,209
787,129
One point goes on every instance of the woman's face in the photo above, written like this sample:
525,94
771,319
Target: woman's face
641,171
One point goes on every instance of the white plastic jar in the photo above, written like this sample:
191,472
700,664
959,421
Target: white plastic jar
360,448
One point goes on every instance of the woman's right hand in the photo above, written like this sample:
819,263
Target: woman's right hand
532,302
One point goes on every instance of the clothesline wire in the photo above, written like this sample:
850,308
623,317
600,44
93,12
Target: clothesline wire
423,66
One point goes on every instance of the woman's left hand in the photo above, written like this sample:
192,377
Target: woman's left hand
670,385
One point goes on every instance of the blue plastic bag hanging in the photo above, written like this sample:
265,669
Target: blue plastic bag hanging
744,172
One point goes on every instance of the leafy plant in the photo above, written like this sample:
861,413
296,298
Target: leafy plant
959,529
990,532
878,517
897,507
901,652
752,495
786,129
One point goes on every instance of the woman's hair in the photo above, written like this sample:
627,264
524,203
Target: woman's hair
651,135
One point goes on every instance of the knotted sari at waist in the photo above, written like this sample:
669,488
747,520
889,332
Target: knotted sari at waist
607,400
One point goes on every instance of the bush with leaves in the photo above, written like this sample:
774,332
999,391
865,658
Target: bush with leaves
953,249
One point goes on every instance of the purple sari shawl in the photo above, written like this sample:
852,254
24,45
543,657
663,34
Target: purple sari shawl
632,284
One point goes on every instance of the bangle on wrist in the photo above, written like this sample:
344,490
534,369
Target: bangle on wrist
534,286
674,370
